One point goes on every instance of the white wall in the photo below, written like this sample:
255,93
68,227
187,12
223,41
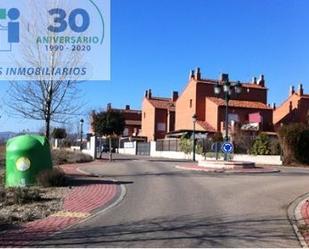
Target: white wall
90,150
270,160
171,154
129,148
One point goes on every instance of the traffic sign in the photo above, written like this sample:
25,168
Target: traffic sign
227,147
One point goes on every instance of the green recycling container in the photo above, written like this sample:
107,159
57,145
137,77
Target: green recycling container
26,156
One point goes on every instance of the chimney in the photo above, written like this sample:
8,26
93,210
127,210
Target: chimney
175,96
109,106
292,90
254,81
127,107
290,106
198,74
300,90
146,94
274,106
191,75
149,94
261,81
224,77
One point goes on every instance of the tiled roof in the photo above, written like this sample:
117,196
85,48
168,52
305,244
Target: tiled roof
240,103
250,85
127,110
162,103
247,85
206,126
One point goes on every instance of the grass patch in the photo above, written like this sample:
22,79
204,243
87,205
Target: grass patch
60,157
19,196
19,205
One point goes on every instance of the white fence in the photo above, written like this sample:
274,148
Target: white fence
89,150
130,149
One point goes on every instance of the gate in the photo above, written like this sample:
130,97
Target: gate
143,149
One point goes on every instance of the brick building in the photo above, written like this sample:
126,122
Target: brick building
249,109
133,123
294,109
158,115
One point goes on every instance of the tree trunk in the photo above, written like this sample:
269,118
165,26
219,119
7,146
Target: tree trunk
110,149
47,128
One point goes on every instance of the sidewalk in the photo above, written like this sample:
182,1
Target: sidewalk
81,202
195,167
299,217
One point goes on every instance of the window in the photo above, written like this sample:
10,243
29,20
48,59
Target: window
190,103
144,114
161,127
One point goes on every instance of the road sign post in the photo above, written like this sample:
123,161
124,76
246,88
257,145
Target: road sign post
227,148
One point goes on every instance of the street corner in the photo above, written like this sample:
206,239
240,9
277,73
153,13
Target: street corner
298,213
80,203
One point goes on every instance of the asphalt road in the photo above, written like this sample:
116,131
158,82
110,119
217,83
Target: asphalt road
167,207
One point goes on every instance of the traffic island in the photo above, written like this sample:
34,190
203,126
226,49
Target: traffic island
220,164
228,169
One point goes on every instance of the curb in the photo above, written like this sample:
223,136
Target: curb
113,203
227,171
295,217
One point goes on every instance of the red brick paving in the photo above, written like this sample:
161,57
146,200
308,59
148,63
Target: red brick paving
305,216
83,199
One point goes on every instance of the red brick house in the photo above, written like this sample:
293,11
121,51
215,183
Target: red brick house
158,115
133,123
249,109
294,109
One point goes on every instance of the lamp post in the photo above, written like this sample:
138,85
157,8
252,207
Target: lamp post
193,136
228,88
81,122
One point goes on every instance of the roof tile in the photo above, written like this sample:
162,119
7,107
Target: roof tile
240,103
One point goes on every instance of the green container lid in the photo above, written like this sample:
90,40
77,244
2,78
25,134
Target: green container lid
26,156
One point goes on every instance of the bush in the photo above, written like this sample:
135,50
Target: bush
243,142
303,148
185,145
294,139
217,137
261,145
274,146
60,157
2,178
19,196
52,178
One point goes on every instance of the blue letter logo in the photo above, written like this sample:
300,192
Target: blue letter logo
10,33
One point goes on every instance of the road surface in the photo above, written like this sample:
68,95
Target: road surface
168,207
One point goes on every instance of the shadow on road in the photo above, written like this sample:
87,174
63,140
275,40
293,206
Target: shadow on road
184,231
89,181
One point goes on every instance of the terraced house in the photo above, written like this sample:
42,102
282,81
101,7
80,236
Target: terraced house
294,109
172,117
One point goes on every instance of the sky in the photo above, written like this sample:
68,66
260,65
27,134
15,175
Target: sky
155,43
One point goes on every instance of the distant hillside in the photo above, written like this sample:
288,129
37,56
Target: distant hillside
5,135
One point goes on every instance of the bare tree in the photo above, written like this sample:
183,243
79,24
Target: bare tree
52,100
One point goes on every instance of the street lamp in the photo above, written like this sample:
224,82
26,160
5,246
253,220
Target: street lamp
228,88
193,136
81,122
